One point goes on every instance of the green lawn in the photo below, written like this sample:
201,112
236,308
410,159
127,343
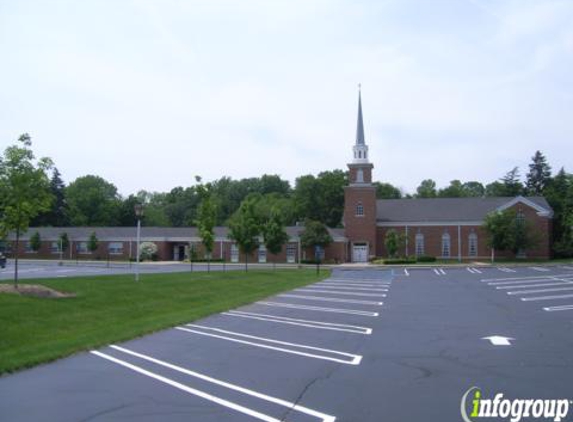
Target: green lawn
110,309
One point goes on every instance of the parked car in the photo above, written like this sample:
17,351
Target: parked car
2,260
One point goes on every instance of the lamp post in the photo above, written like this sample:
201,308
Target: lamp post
138,213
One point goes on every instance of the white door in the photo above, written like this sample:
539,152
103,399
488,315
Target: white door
360,253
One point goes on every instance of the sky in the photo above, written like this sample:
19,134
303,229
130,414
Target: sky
148,94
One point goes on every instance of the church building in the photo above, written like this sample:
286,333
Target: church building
449,228
445,228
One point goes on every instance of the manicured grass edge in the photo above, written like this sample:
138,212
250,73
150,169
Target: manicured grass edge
141,332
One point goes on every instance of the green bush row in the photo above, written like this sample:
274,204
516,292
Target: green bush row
401,261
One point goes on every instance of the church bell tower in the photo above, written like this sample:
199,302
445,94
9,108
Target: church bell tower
360,199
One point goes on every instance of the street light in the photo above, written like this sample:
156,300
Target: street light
138,213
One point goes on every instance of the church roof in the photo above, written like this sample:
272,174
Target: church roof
153,234
451,209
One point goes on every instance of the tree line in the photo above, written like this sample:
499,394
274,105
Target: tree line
91,200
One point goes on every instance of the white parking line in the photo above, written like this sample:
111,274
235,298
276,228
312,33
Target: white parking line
535,299
541,269
370,283
351,285
301,322
507,283
506,270
330,299
566,267
354,359
527,292
360,289
439,271
474,270
357,280
559,308
226,403
487,280
528,286
334,292
406,272
320,309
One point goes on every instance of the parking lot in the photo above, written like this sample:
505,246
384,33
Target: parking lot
28,269
363,345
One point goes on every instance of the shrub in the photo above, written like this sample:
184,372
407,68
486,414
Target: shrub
397,261
426,258
147,250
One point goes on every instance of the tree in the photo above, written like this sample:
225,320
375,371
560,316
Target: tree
559,194
64,242
181,206
93,201
93,243
58,214
539,175
35,242
244,229
498,226
495,189
274,233
321,198
473,189
387,191
315,234
509,231
508,185
24,190
454,190
394,242
511,183
206,218
427,189
154,204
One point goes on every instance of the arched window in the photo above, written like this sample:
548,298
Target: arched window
473,244
359,210
359,176
446,245
419,244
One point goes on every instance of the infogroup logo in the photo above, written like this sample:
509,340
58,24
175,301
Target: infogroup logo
512,410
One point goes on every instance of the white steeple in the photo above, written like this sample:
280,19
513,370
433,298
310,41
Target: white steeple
360,148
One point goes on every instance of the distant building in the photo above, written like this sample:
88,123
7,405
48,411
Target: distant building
449,228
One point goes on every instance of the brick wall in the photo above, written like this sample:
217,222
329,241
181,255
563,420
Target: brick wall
360,229
541,227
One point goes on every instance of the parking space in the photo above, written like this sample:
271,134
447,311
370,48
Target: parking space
551,289
255,362
363,345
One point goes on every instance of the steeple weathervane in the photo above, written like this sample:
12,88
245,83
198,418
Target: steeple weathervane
360,149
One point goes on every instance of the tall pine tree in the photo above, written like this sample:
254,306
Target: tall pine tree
539,175
58,214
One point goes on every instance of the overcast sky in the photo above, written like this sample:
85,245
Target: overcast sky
148,94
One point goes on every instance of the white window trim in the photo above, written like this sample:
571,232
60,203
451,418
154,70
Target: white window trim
446,241
115,253
420,241
472,239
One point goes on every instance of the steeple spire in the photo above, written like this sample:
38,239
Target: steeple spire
360,148
360,125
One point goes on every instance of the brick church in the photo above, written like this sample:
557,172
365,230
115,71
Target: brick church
446,228
449,228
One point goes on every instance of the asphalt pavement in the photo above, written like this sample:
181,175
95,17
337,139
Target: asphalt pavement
364,345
